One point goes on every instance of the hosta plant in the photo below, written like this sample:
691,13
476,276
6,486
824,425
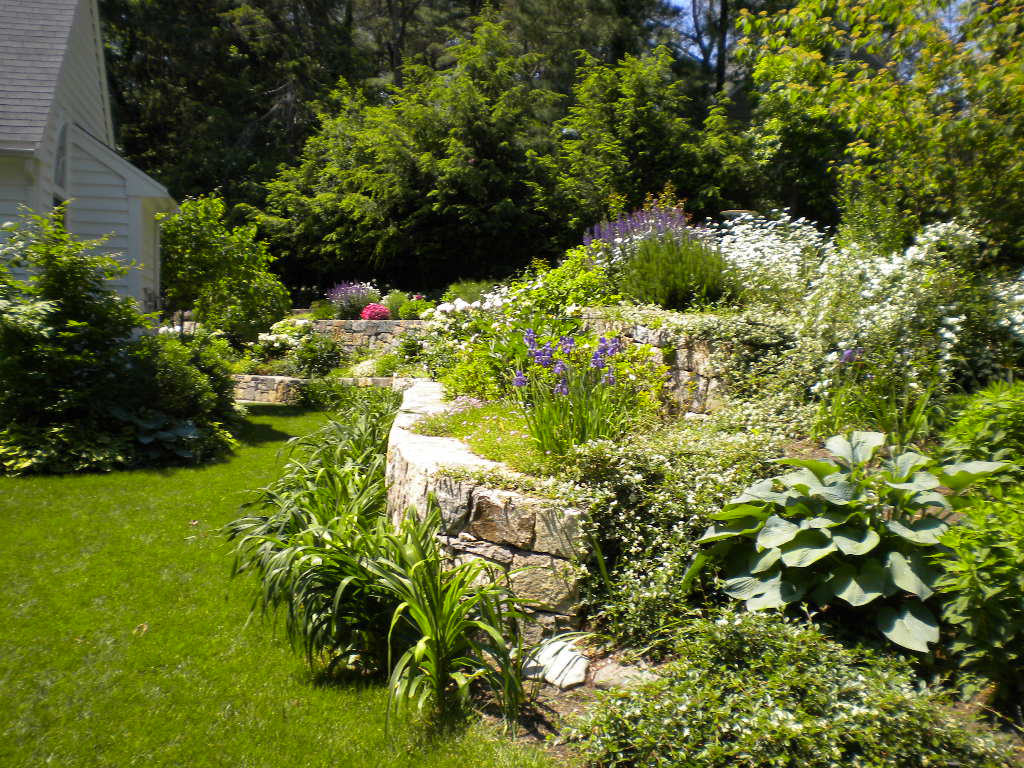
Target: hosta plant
851,531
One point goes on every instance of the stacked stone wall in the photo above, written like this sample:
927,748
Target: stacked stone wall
377,334
537,542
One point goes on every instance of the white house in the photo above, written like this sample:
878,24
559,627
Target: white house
56,137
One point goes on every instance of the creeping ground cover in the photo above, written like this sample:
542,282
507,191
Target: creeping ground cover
125,640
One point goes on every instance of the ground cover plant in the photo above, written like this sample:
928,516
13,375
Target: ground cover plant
756,689
126,640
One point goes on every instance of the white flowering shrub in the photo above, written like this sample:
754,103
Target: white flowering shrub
774,258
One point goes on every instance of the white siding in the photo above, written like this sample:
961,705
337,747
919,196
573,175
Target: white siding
100,208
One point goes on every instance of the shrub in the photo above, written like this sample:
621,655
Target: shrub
375,312
413,309
757,690
222,273
315,355
842,529
76,392
468,290
983,587
322,310
990,424
394,300
675,271
350,298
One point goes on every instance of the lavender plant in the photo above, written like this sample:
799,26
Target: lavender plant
349,298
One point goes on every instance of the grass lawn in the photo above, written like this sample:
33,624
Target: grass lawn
123,640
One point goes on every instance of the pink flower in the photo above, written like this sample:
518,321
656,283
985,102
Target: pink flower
375,312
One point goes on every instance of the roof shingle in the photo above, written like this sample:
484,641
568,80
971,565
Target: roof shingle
33,40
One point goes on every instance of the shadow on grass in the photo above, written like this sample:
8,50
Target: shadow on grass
253,433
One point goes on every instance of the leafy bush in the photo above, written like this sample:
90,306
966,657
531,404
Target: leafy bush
322,310
76,391
675,272
468,290
990,425
983,587
222,273
394,301
844,529
757,690
413,309
315,355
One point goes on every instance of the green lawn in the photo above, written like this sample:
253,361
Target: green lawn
123,641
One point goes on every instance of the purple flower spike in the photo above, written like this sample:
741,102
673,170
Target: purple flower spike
597,360
530,339
560,368
567,343
562,387
519,380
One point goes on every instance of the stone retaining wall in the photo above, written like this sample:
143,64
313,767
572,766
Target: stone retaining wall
692,382
379,334
251,388
534,540
267,389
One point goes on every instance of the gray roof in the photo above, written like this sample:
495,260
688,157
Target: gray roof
33,39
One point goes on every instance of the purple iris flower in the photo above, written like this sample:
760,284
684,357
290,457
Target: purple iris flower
608,378
519,380
562,387
560,368
615,346
545,356
530,339
851,355
567,343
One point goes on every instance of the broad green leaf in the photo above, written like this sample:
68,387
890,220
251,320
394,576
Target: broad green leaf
730,529
820,468
762,561
956,477
904,465
839,446
801,479
858,449
745,586
828,519
777,595
865,444
921,481
860,587
776,532
807,547
931,499
925,531
763,491
736,511
911,573
911,625
854,540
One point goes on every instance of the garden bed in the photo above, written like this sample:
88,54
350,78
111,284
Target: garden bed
375,334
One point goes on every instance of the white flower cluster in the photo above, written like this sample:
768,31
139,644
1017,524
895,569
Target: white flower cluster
775,257
1010,305
277,342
